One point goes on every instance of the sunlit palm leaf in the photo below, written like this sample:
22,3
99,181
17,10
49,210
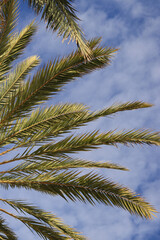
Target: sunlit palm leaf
14,79
48,163
8,16
58,119
94,139
46,217
16,45
49,79
60,16
90,188
41,229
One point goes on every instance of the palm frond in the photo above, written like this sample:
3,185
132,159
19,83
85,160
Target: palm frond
8,234
119,107
16,45
90,188
2,237
49,80
93,140
8,16
41,229
37,227
45,217
44,163
61,16
15,78
47,119
59,119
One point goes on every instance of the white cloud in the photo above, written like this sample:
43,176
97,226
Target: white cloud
109,28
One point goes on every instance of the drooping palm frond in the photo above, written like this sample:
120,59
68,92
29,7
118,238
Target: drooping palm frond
41,229
60,16
38,135
90,188
47,218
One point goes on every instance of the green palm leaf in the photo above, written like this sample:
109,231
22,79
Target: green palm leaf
49,80
45,217
59,119
93,140
14,79
61,16
41,229
8,15
90,188
15,47
48,163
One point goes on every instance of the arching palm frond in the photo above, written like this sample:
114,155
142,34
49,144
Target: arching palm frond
61,16
44,140
45,217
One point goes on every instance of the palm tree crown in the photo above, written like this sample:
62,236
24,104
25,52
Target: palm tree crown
44,136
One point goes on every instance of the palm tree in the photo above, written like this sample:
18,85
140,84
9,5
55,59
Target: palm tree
44,139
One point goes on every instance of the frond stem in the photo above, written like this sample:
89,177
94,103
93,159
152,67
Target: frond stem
8,150
8,213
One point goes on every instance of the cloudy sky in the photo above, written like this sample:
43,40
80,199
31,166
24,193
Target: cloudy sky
133,27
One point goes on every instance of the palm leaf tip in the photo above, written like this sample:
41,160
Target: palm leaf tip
146,105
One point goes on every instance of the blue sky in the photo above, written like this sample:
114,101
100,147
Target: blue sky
132,26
